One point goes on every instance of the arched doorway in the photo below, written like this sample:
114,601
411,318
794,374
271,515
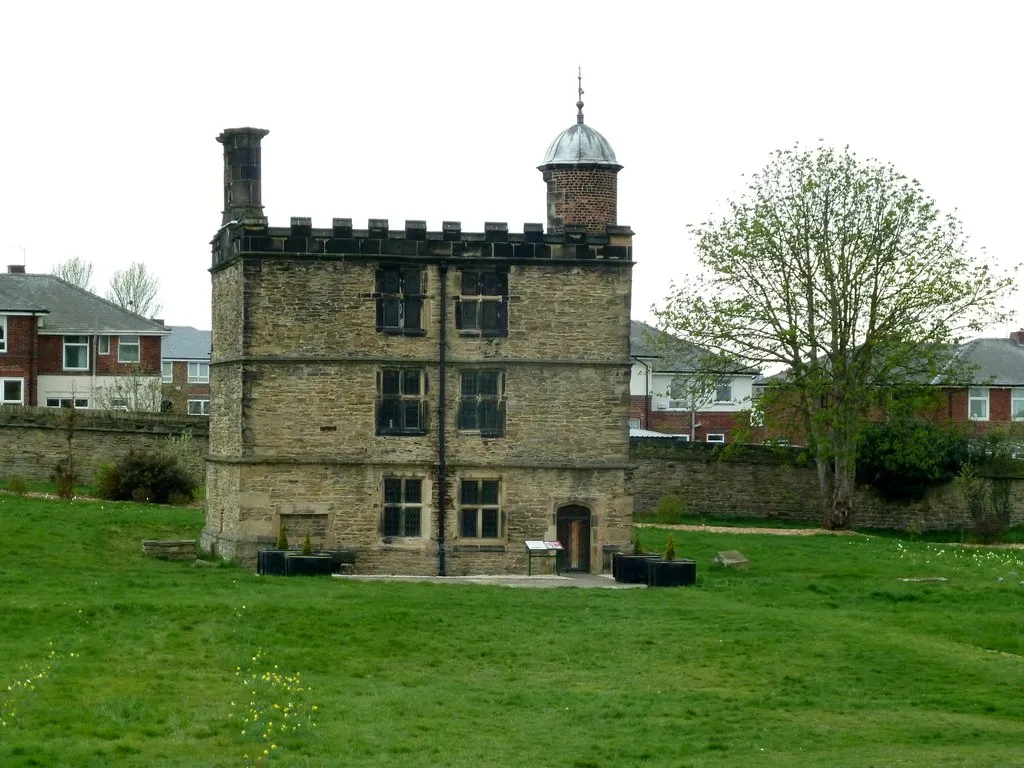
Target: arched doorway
572,523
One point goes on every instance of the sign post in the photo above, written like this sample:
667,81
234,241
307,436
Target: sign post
543,549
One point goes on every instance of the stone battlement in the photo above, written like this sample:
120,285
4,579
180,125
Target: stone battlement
415,240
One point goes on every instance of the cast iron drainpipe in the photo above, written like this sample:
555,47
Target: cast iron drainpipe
442,464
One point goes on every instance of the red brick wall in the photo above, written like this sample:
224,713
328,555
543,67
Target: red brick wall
51,357
587,196
16,362
678,422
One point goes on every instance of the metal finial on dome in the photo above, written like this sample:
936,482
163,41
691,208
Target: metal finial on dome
579,104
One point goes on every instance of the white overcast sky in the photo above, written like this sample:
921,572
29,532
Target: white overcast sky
442,111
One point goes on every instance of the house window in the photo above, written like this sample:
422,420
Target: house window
399,300
977,404
76,353
402,404
167,372
482,405
103,345
12,391
403,507
118,404
723,393
127,349
483,304
67,402
480,510
198,373
3,333
634,423
1017,404
198,407
715,437
681,395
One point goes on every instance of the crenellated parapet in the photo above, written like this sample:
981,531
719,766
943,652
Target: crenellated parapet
415,241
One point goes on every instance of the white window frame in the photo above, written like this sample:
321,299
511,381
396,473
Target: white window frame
3,333
123,342
719,438
978,395
167,371
79,345
103,345
198,377
21,397
1017,404
727,391
635,424
204,407
81,403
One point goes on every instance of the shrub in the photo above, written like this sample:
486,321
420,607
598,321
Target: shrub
282,537
637,546
16,484
307,546
902,458
143,475
64,476
670,509
670,548
988,504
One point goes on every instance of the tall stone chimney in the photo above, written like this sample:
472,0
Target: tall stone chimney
242,185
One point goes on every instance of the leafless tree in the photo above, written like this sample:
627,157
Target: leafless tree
135,288
76,271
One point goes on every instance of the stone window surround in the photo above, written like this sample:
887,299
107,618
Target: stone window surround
978,404
402,400
483,294
199,377
125,343
402,506
4,391
480,507
477,400
81,343
404,302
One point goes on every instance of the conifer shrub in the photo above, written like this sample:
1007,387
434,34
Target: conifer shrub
144,475
307,546
670,548
282,537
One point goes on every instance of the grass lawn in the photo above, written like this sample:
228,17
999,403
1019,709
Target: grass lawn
818,656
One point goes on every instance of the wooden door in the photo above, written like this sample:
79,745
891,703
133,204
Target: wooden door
573,528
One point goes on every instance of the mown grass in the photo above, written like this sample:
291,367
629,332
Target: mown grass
818,655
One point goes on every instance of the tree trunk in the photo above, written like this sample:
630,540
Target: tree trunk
836,479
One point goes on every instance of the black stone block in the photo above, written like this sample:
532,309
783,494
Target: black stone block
523,250
584,252
295,245
615,252
502,250
542,251
398,247
342,245
369,246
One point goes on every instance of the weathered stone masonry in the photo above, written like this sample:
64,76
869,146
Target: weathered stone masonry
296,397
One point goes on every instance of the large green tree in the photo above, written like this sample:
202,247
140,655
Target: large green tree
844,274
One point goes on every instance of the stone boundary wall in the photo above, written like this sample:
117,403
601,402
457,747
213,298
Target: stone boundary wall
770,482
177,549
32,440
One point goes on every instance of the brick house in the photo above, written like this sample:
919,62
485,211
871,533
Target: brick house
995,394
666,396
414,393
991,394
61,345
185,371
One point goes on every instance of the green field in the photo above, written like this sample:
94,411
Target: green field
818,656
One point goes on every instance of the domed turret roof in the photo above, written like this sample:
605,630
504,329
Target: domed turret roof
580,144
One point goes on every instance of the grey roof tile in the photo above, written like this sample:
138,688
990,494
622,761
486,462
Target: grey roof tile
186,343
72,309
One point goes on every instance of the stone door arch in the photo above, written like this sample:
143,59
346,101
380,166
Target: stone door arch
573,525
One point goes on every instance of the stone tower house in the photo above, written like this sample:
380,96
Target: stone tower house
430,398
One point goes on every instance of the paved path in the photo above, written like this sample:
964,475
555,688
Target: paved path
545,581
